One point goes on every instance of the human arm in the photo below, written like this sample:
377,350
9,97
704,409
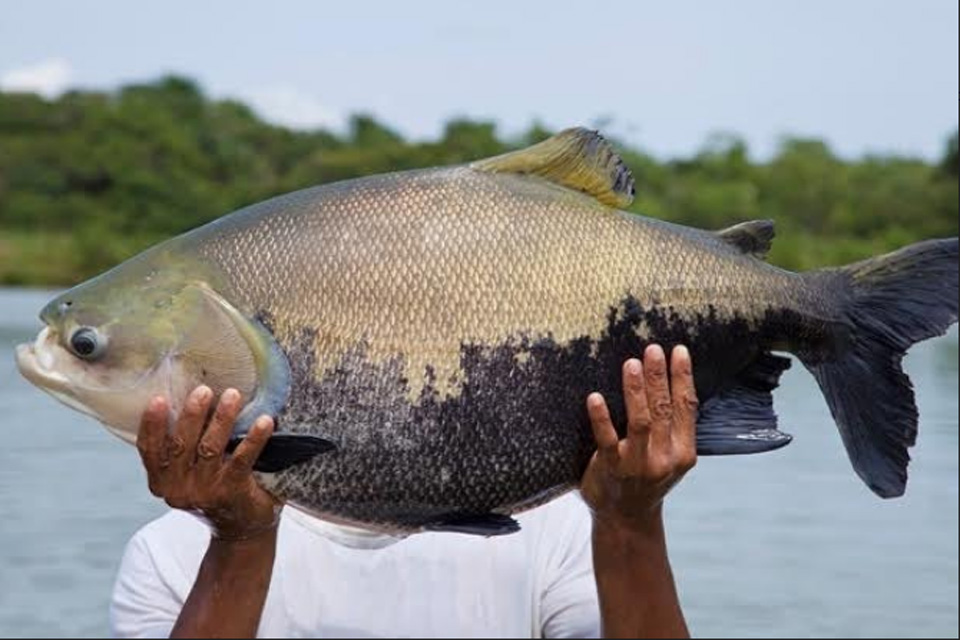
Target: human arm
625,485
187,467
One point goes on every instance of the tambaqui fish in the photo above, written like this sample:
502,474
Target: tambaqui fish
426,339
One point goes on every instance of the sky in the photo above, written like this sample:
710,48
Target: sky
870,76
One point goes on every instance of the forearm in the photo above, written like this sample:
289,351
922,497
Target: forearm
638,596
228,597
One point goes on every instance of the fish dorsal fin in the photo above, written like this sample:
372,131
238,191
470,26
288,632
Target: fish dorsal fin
575,158
754,237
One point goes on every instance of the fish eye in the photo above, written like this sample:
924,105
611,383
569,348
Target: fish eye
86,343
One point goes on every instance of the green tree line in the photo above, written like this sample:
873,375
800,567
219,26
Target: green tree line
91,178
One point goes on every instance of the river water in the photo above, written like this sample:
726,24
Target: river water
786,544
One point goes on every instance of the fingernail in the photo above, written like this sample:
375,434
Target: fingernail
156,402
202,393
230,396
264,422
654,351
633,367
682,351
594,400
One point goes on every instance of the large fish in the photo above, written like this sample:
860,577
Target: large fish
426,339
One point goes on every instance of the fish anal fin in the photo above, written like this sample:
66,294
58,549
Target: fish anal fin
741,419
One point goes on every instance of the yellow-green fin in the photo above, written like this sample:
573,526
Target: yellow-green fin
577,158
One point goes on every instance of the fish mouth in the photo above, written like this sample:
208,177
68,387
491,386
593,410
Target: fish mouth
34,361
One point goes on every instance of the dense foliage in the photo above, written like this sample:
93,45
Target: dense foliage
91,178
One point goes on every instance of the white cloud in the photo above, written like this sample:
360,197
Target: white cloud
291,107
48,78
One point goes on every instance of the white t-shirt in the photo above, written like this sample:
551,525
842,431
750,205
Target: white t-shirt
334,581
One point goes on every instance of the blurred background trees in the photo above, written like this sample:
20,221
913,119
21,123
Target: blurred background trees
91,178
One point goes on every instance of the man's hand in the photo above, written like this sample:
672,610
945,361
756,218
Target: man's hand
625,485
187,467
628,479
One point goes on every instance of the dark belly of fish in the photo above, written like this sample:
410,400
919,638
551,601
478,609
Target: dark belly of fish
517,433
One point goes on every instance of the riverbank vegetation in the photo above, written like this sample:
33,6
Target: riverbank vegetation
91,178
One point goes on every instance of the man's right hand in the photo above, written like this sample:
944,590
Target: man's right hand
188,468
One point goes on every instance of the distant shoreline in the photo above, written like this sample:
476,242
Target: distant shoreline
91,178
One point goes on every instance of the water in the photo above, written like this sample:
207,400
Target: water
786,544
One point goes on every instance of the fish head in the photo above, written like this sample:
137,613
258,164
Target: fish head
111,344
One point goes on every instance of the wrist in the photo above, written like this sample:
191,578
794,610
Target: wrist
229,530
644,528
248,534
257,543
621,546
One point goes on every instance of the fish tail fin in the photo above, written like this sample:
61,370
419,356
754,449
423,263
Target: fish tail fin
892,302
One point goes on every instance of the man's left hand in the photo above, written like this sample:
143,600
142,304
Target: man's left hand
627,480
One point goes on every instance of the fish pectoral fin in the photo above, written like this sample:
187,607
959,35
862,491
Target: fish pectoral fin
484,524
284,450
578,159
741,419
753,238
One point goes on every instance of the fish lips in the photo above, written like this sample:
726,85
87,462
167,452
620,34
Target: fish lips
33,362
